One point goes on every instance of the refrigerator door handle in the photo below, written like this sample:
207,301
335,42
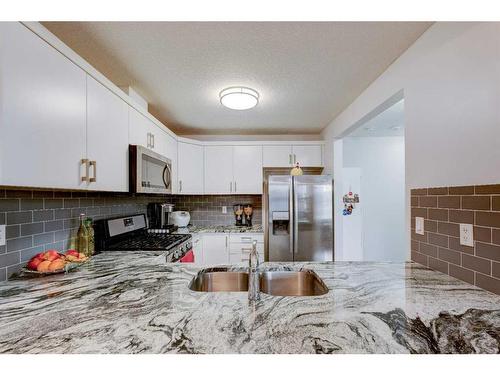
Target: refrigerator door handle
291,224
295,224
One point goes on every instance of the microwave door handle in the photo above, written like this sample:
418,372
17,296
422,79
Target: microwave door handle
167,174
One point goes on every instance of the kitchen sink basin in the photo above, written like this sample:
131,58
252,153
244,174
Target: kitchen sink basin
276,283
220,282
292,283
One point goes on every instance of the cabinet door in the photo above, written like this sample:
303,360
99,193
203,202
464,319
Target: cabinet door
198,251
247,169
277,156
139,128
42,113
215,249
308,155
218,169
107,138
190,167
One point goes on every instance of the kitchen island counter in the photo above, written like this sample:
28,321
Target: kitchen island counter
135,303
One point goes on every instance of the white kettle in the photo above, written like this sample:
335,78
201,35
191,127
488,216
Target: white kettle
180,218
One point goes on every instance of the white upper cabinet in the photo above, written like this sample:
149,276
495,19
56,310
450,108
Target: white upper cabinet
139,129
166,145
277,156
288,155
107,138
190,167
247,169
307,155
218,169
42,113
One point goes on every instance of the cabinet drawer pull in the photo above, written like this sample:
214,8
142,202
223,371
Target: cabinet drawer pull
85,162
246,239
93,164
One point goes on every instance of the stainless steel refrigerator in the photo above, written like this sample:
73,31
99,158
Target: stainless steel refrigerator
300,218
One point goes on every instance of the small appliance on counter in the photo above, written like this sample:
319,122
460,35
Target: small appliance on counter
180,218
243,215
130,233
159,217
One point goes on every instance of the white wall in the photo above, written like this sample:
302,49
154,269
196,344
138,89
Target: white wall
451,82
382,197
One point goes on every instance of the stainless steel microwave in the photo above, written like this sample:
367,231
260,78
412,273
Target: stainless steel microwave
149,171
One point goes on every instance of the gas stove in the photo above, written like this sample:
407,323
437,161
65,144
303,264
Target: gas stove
130,233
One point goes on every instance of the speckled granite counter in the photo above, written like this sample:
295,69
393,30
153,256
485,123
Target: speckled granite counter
221,229
135,303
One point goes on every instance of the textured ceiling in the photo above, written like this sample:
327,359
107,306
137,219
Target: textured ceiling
306,72
389,123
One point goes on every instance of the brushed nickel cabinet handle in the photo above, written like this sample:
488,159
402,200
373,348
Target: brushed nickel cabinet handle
226,241
152,141
148,140
85,162
93,164
231,187
294,158
289,158
180,186
235,186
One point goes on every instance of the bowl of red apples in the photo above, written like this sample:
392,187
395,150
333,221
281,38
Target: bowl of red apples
52,262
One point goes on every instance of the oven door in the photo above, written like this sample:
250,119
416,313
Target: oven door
150,172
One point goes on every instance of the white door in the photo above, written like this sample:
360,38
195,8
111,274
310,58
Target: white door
107,138
190,167
215,249
42,113
218,169
139,128
247,169
277,156
308,155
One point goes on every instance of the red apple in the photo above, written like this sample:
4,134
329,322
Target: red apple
72,252
33,263
40,256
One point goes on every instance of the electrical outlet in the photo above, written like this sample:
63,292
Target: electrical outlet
2,235
419,225
224,209
466,235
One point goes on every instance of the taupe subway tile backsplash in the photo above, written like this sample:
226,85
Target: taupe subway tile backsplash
37,220
444,208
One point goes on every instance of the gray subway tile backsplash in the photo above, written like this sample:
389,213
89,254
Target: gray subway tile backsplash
39,220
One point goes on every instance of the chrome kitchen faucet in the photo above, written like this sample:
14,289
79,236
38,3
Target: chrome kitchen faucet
253,274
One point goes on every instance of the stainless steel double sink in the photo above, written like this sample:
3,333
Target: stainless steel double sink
276,283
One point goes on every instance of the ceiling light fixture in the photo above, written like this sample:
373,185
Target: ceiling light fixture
239,98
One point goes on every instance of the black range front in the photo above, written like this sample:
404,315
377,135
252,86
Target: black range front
131,233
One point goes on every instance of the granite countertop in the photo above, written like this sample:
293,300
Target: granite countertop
221,229
136,303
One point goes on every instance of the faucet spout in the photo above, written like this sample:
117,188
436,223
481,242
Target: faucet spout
253,274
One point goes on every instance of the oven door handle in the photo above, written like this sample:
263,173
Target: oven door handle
167,176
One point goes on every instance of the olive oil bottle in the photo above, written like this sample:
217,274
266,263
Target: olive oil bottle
82,237
91,239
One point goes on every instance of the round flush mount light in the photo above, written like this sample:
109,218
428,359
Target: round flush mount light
239,98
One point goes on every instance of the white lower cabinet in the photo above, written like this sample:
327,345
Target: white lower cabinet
240,246
198,250
215,249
